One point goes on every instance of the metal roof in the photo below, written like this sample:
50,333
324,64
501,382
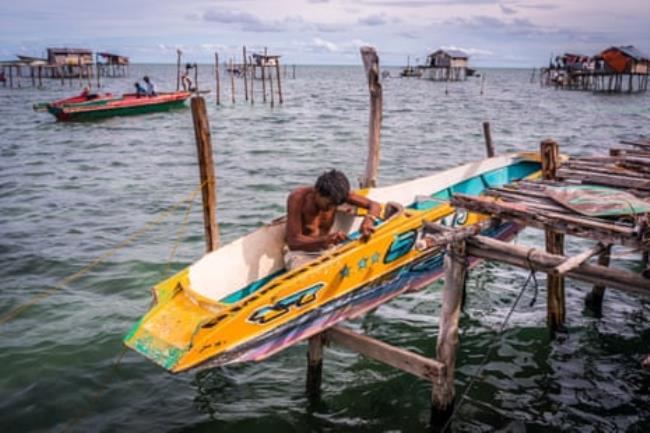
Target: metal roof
632,52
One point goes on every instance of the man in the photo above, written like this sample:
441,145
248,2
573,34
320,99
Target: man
148,86
310,216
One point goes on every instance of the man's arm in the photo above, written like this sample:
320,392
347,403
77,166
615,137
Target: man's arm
374,209
295,238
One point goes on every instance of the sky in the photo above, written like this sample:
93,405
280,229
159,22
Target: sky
501,33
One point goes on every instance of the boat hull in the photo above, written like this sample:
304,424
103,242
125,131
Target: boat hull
115,108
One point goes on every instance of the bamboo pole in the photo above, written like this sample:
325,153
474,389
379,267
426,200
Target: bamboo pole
315,365
216,73
371,65
554,244
277,70
594,299
455,269
489,147
245,73
263,68
206,172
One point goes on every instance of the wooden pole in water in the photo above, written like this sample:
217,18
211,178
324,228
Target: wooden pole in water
277,73
294,72
482,83
206,171
196,78
263,80
178,69
271,88
371,65
32,74
489,147
97,68
594,299
216,74
250,62
315,365
550,154
232,80
455,268
245,73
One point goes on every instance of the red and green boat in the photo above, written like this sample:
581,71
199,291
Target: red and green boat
75,101
127,105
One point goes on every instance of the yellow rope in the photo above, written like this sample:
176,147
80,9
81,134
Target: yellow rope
18,310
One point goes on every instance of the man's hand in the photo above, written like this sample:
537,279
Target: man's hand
336,238
367,228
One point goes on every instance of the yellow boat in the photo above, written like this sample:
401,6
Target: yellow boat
239,304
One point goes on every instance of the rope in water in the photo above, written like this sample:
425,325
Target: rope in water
12,314
531,276
104,385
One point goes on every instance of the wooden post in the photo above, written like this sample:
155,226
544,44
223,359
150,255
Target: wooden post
271,88
216,72
206,170
245,74
250,62
294,72
315,365
482,83
455,268
263,68
11,77
178,69
550,154
489,147
232,80
32,74
40,77
371,65
196,78
277,70
594,299
97,67
61,74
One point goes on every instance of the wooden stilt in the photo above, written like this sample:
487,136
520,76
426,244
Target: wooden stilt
263,68
271,88
245,73
232,81
206,171
32,75
40,77
554,244
252,80
277,70
455,268
489,147
11,77
216,75
315,365
371,65
294,72
594,299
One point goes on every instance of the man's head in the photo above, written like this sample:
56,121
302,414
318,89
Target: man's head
332,188
145,79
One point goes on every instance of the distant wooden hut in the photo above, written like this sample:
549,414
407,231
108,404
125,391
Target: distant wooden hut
446,65
614,70
112,65
70,62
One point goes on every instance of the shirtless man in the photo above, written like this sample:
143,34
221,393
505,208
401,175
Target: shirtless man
310,216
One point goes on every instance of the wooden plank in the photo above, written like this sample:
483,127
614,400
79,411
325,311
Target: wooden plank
603,179
446,235
401,359
577,260
489,147
371,65
518,255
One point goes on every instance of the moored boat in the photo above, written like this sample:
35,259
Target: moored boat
128,104
239,304
79,100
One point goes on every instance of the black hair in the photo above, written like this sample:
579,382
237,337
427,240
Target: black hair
334,185
146,78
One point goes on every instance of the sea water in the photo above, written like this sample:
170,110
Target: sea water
73,192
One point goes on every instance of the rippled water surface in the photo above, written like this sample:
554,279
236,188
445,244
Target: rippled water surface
70,193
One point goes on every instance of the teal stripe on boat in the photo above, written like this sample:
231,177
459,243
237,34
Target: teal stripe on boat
251,288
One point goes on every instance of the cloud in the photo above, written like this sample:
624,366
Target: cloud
318,1
373,20
506,10
248,22
323,45
425,3
469,51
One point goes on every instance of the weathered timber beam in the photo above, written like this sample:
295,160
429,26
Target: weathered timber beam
638,143
577,260
603,179
552,219
517,255
401,359
447,235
